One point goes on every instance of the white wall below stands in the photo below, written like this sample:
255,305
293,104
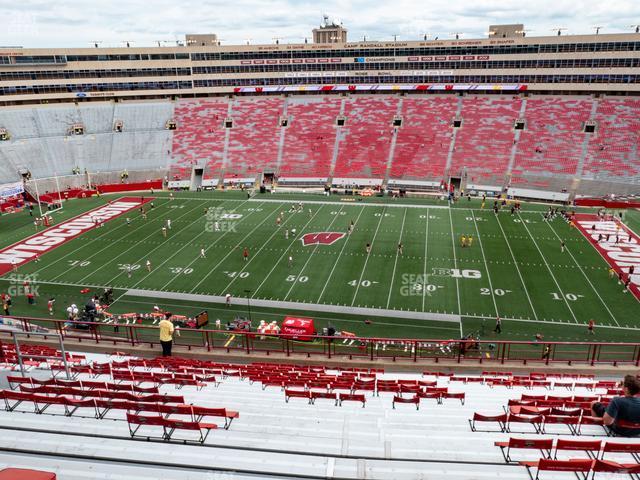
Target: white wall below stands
538,194
179,184
361,182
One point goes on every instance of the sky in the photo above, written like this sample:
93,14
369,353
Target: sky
62,23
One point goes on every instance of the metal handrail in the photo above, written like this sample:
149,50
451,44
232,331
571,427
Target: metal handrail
16,342
350,347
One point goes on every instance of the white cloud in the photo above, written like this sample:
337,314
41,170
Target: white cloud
35,23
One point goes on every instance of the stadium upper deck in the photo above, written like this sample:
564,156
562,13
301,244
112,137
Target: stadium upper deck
557,64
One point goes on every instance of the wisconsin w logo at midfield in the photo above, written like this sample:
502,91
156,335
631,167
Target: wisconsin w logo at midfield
321,238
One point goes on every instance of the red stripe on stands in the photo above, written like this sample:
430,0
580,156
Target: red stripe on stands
620,256
28,249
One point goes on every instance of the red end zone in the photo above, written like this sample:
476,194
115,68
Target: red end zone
620,256
42,242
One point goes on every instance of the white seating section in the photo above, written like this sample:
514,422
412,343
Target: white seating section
320,439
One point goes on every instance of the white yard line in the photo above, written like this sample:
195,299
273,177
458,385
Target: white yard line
234,248
121,253
295,282
162,244
486,266
548,268
424,277
190,243
335,264
277,262
368,256
395,264
515,262
584,274
107,232
455,264
264,244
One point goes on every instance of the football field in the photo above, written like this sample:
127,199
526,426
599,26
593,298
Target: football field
309,263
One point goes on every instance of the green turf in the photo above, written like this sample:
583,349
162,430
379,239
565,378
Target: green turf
514,269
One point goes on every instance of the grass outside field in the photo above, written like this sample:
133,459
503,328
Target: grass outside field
514,268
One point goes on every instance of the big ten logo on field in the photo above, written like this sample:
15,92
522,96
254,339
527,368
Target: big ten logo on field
456,273
417,285
219,220
21,285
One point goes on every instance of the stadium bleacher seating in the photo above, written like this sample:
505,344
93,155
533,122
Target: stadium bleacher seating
423,140
546,155
287,411
310,136
551,142
199,137
253,140
485,140
615,147
364,151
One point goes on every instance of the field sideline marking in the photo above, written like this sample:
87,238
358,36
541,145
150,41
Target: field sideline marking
135,229
455,265
295,282
185,246
211,299
584,274
275,210
291,244
316,317
335,264
395,264
515,262
548,268
109,231
486,266
278,304
380,204
366,260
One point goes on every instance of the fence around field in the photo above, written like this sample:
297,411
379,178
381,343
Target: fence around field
344,348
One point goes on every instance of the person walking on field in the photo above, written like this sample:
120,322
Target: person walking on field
590,327
245,254
166,336
498,328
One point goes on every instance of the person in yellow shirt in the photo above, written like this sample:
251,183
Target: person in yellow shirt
463,241
166,336
469,240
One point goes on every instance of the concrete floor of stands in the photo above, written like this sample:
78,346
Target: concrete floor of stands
401,365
